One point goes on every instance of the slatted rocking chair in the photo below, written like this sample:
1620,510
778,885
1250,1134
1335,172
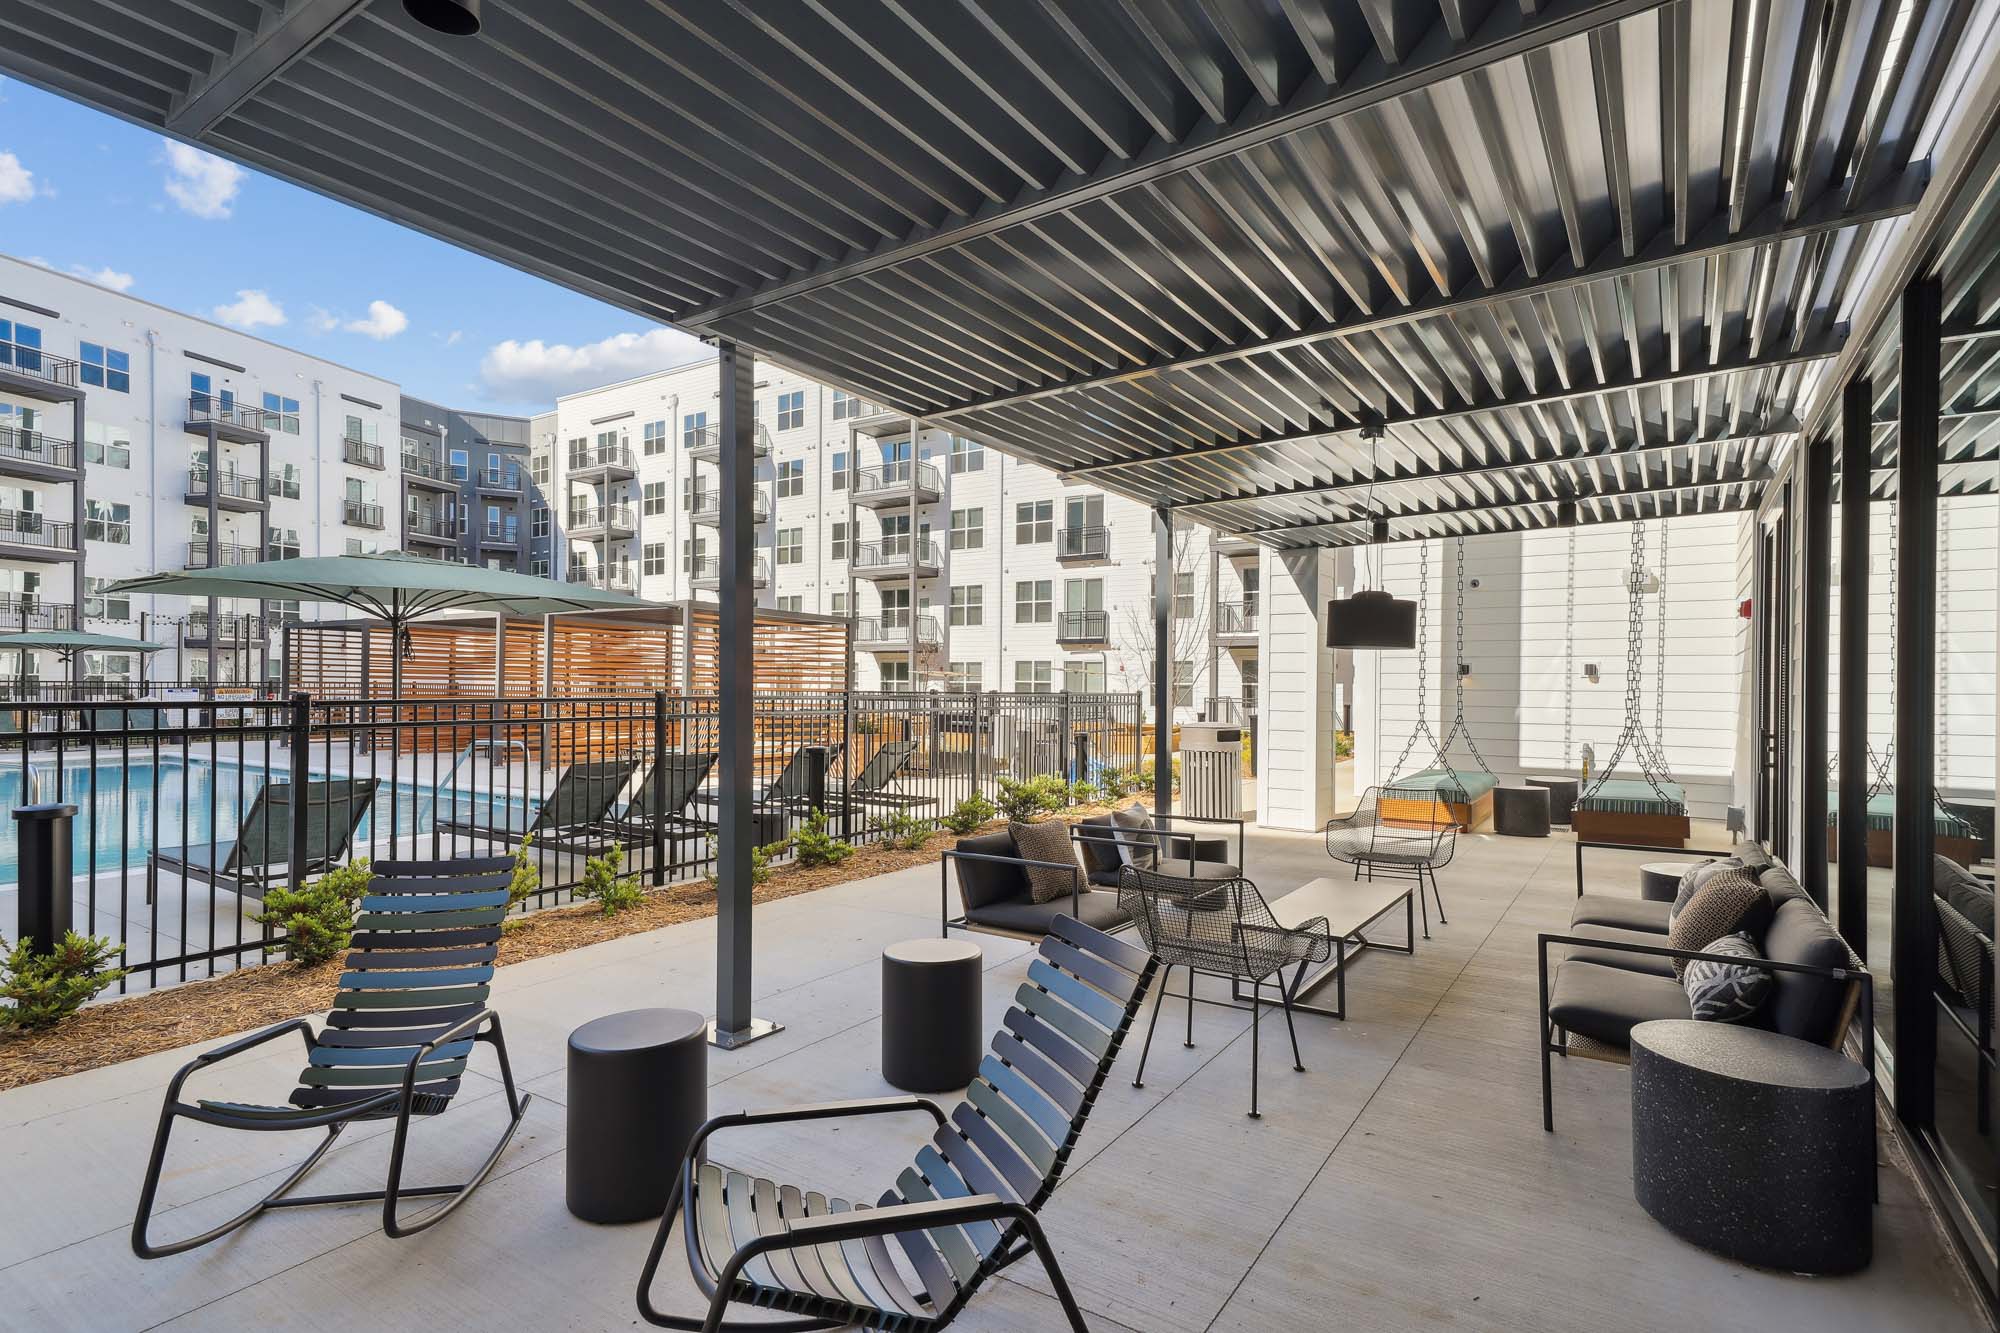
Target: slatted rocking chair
410,1009
966,1209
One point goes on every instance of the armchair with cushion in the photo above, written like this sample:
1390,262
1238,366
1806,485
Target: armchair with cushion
995,893
1169,843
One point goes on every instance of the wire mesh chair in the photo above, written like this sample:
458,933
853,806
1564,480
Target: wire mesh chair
1221,928
1414,847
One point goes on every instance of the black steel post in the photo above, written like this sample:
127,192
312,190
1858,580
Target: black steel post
736,625
657,816
1066,732
300,743
1163,697
42,834
815,757
1856,460
1914,921
1818,539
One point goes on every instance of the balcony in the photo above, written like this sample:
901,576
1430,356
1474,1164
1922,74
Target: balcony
707,509
605,521
1083,628
32,373
29,453
612,462
891,558
504,533
226,631
361,453
620,578
24,612
707,446
360,514
1236,624
234,492
30,534
431,529
1083,543
431,473
228,420
890,633
889,484
507,481
226,555
707,574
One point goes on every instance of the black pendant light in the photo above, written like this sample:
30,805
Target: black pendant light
453,18
1372,618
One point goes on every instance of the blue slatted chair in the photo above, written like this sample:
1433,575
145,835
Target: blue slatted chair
962,1211
411,1008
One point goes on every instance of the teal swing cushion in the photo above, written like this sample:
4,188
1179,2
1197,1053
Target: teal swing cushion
1456,785
1882,816
1634,796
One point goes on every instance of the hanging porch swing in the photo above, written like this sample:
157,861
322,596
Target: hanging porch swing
1467,794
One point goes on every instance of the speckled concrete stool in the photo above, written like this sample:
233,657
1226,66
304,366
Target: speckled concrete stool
1757,1146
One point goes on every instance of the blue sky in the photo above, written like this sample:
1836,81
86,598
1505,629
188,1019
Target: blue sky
86,193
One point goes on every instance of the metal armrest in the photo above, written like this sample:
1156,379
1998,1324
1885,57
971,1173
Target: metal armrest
1316,934
891,1218
237,1047
812,1111
1860,975
1715,853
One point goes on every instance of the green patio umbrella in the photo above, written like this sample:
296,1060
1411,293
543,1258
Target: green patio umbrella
393,585
68,643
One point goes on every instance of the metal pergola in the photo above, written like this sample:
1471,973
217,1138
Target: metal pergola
1485,265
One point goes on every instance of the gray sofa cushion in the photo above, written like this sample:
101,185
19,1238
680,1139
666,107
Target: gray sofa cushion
1780,883
1970,896
1100,859
1605,1003
1095,908
1624,913
984,882
1803,1006
1138,842
1693,881
1650,964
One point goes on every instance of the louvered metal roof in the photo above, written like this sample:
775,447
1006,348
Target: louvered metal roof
1265,262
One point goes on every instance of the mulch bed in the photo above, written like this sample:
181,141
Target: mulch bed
253,997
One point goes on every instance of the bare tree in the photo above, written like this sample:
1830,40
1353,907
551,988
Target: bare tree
1187,634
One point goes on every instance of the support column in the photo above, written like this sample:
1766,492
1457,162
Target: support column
1818,541
1856,459
1163,666
1297,711
733,1024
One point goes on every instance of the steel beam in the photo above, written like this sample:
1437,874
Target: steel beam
256,61
1672,488
1163,694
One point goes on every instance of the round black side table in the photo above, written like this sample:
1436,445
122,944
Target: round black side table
1521,812
1757,1146
1660,881
931,1019
638,1090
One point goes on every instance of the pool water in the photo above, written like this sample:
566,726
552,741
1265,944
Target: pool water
127,794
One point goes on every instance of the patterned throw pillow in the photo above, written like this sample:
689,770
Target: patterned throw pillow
1139,848
1731,901
1727,992
1046,841
1697,875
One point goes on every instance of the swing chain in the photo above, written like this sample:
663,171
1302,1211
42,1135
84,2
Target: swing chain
1569,648
1884,764
1423,727
1660,656
1458,676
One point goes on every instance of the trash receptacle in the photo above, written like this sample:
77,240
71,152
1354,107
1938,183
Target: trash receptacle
1211,755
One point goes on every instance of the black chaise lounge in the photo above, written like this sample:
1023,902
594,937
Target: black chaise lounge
261,852
410,1009
967,1206
663,799
573,816
871,785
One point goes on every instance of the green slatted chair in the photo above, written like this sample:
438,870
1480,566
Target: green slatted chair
411,1007
961,1212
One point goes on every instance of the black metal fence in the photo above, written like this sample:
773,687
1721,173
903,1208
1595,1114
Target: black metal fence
190,809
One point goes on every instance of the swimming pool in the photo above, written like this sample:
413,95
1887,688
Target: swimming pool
121,799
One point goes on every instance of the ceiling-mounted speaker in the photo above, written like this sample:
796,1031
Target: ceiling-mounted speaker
1378,531
1371,620
1566,513
453,18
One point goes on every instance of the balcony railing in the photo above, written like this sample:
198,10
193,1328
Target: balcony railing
1083,626
34,363
229,628
280,550
31,446
706,442
1091,542
602,520
1235,618
425,468
614,457
360,452
507,481
891,483
430,525
19,611
30,527
228,486
359,514
891,631
283,487
116,531
707,509
226,554
707,573
505,533
210,409
892,556
620,578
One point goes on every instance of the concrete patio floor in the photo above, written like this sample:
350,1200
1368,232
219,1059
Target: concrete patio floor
1404,1182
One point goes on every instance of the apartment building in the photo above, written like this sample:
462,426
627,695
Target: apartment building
467,494
961,568
134,438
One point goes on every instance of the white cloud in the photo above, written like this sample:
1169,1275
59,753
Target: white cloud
104,277
452,339
321,320
17,183
384,321
535,371
252,309
201,183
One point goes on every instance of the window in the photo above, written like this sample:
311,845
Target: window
840,470
1183,594
288,481
968,529
791,478
838,550
653,497
1034,677
1034,602
839,603
355,547
21,345
1183,683
107,522
461,465
1034,522
694,487
202,394
607,443
539,518
282,414
966,677
895,675
968,605
792,409
895,608
539,566
655,558
653,438
845,405
693,426
791,546
793,603
106,445
1252,579
99,607
105,368
967,455
692,549
542,467
1085,676
284,544
1249,672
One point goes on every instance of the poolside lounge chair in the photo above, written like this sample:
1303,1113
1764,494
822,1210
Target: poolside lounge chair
572,817
871,785
410,1009
260,853
964,1210
663,799
789,787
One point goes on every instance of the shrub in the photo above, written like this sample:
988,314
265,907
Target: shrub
1083,792
904,831
318,920
1116,782
46,988
967,816
1024,800
604,881
1343,744
815,846
760,860
527,882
